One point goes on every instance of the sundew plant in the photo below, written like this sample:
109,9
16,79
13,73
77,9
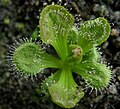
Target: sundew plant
77,53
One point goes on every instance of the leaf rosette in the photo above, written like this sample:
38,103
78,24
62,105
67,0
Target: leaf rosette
77,53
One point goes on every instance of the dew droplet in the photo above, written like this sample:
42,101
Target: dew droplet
53,3
44,3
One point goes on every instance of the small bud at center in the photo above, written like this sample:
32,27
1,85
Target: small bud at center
76,52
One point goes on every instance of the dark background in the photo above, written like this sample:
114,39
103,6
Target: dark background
19,18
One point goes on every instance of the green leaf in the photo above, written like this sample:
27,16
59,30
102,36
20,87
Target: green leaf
96,75
35,34
73,36
55,24
31,59
93,33
92,56
65,92
50,81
